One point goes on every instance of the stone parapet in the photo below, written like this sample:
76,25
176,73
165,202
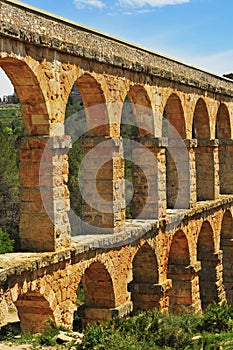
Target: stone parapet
46,30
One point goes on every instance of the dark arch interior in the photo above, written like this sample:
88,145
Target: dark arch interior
207,274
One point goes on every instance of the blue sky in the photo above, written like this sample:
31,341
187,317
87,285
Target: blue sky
197,32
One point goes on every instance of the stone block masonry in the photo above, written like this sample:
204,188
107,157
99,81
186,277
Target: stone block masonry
175,252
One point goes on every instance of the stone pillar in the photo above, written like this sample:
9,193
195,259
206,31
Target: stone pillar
193,271
94,314
192,192
147,296
102,185
184,294
225,269
225,155
149,178
44,223
180,174
221,289
210,281
207,170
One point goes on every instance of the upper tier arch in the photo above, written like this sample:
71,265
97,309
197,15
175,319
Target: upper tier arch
30,93
201,122
174,114
223,125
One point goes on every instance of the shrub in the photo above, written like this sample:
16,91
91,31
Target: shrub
6,244
94,335
48,336
217,318
148,330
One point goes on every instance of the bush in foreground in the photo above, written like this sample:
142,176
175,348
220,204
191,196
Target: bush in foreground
152,331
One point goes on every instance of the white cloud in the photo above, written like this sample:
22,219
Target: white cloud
152,3
80,4
218,63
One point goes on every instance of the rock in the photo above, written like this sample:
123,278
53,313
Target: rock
62,337
78,335
196,337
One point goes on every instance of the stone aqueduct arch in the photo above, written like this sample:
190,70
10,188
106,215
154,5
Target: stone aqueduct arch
167,254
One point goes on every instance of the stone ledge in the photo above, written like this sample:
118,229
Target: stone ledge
94,313
131,231
174,216
14,264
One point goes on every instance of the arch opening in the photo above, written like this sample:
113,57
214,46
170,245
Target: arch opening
87,123
75,127
140,172
207,274
27,88
11,131
201,125
174,115
180,296
36,125
173,128
144,294
99,294
226,245
130,131
34,312
225,154
94,103
204,153
223,127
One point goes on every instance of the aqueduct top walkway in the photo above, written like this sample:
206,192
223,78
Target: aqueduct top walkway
175,253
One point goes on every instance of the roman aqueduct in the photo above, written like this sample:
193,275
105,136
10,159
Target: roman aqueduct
176,253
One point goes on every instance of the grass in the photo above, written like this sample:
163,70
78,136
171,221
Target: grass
45,339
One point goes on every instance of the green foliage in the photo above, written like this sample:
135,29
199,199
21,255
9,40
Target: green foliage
153,330
94,337
45,338
80,294
48,336
76,155
73,108
75,111
6,244
150,330
217,318
11,128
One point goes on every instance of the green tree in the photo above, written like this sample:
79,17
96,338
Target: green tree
11,128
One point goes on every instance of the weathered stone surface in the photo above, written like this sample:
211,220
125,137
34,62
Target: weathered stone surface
176,253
